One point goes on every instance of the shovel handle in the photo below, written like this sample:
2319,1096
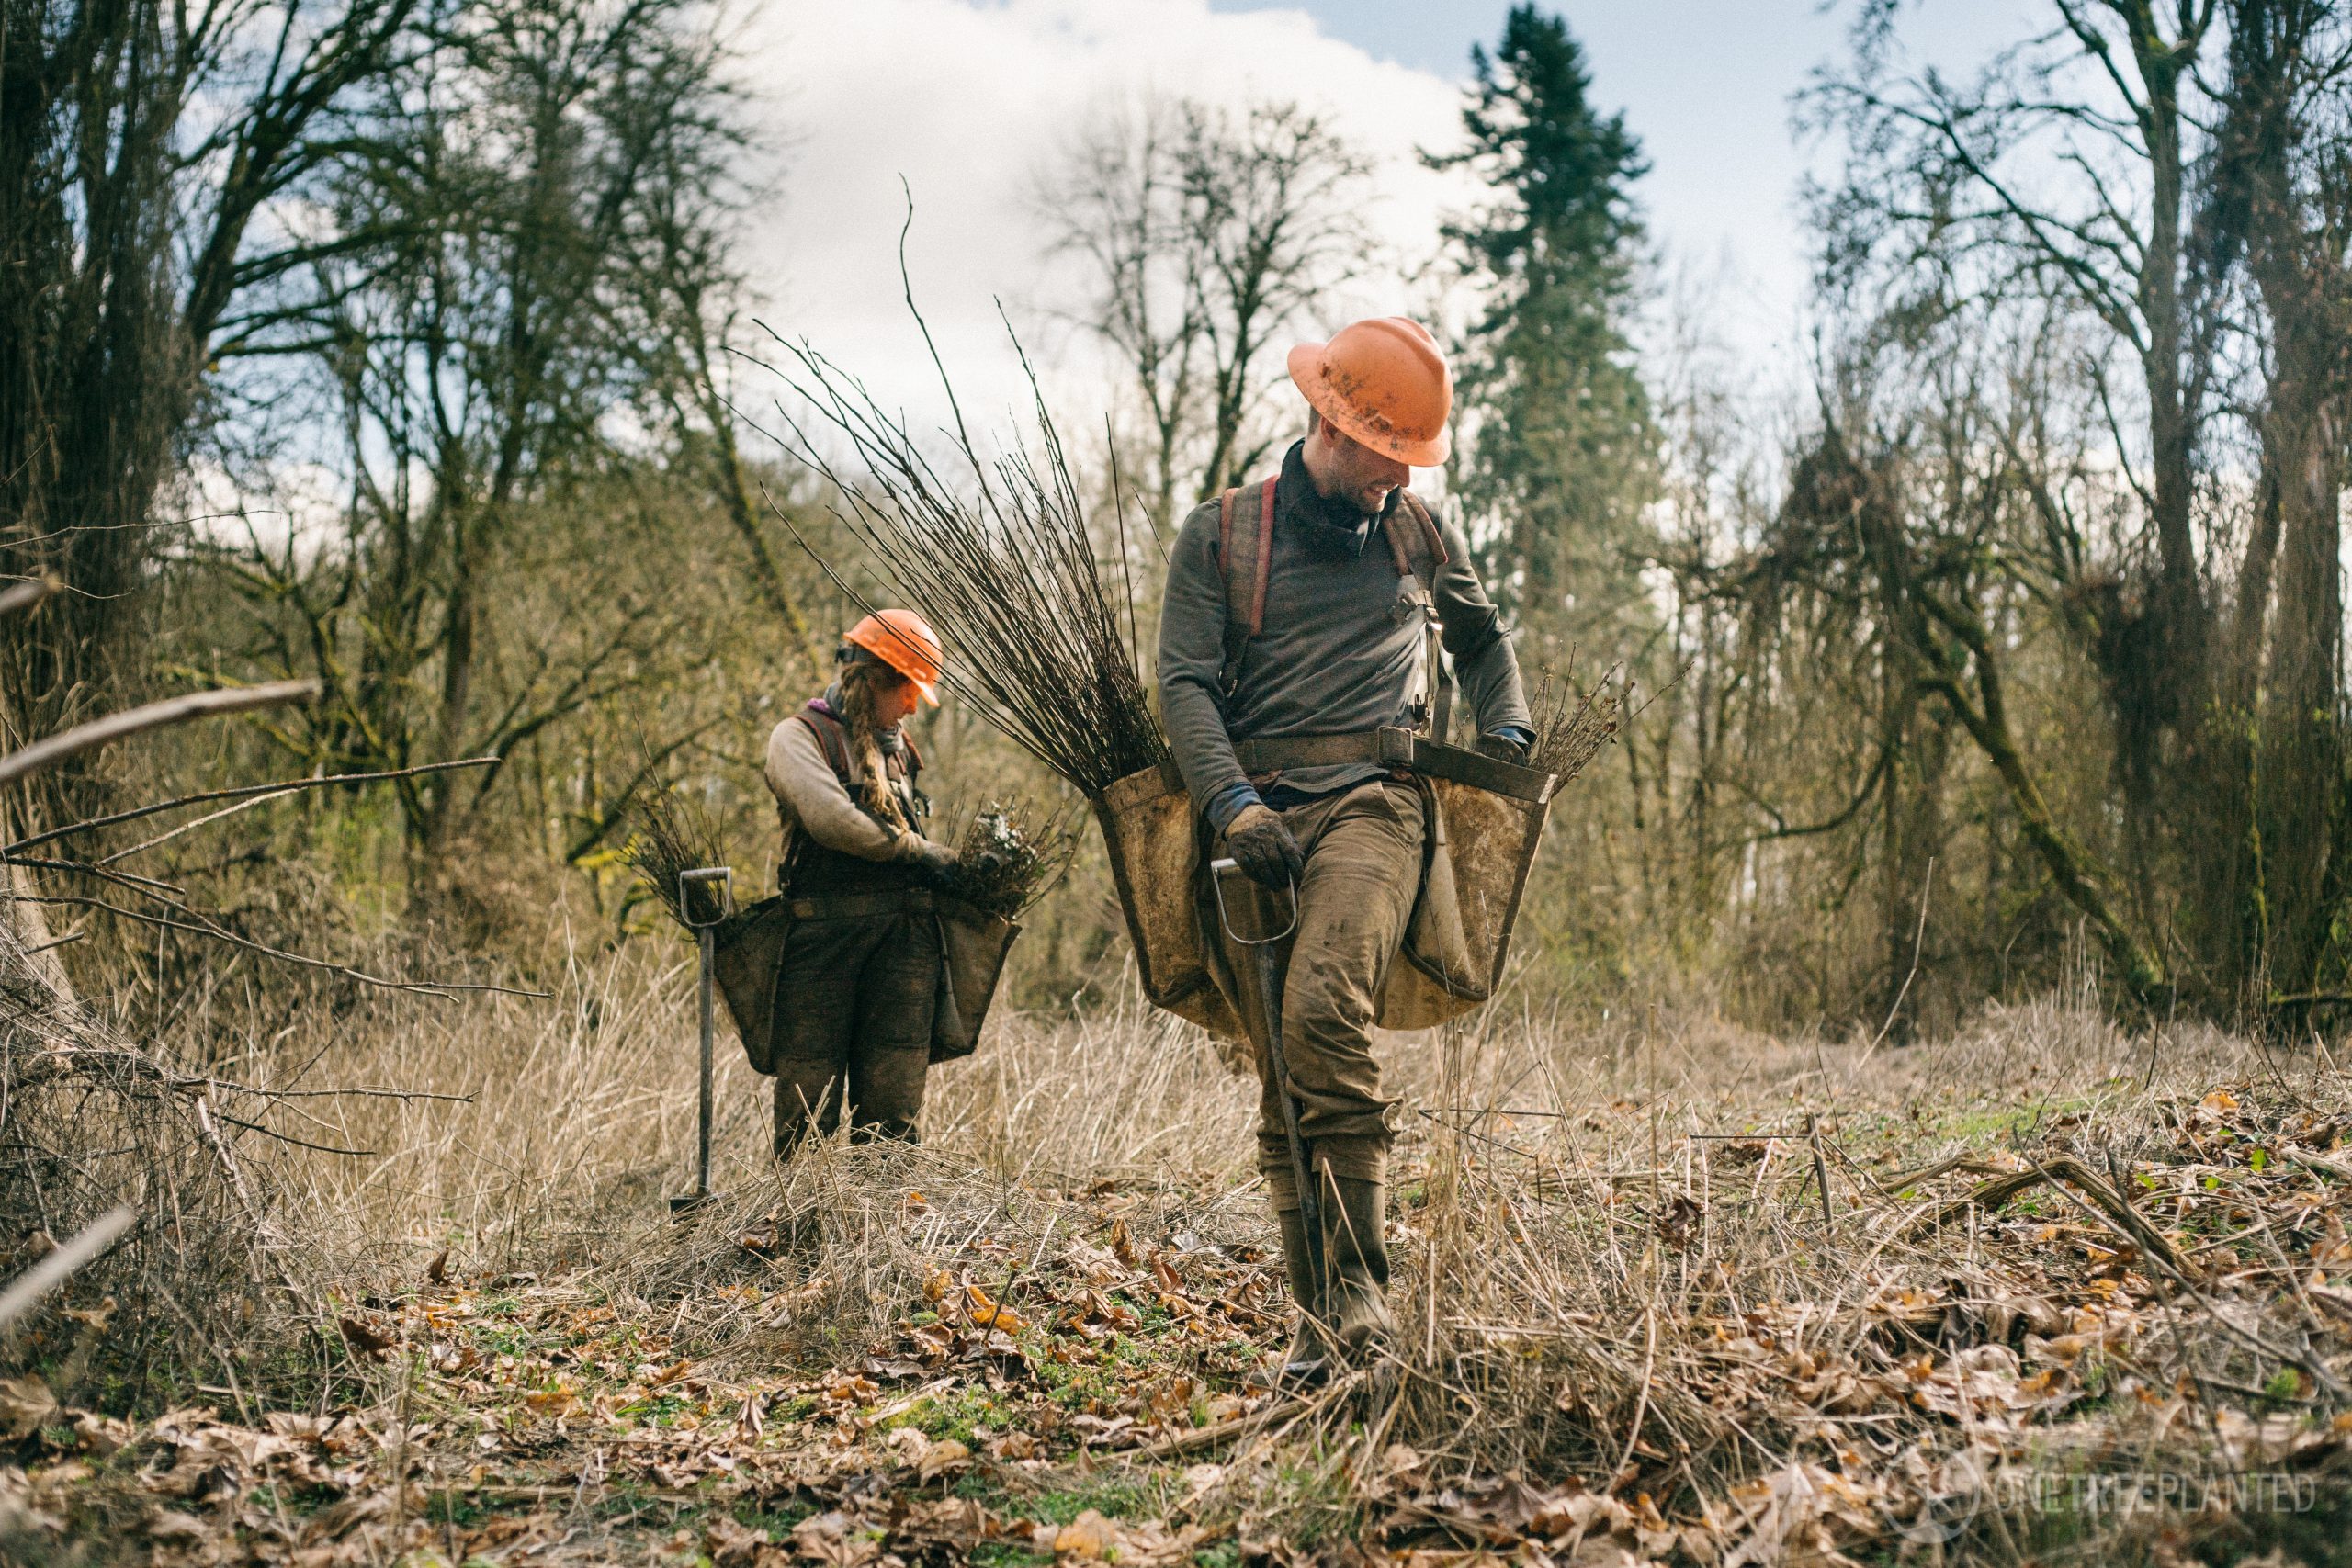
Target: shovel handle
1265,967
724,875
707,945
1217,871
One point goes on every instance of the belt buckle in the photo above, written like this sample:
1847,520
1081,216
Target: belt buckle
1394,747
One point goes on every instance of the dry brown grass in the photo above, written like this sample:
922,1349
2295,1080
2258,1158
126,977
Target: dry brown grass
1613,1268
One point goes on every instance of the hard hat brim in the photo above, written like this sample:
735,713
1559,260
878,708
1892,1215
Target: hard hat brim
897,650
1310,372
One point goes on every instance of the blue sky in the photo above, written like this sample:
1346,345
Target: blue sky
1427,35
1707,85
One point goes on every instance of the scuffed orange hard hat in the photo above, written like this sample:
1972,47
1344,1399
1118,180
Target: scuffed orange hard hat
904,641
1384,384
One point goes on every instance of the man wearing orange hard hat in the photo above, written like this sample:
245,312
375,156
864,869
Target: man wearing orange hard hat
1302,617
860,976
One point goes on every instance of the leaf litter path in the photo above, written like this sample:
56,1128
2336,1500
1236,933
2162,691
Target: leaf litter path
1672,1360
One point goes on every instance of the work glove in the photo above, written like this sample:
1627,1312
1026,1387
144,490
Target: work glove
1262,847
935,865
1509,748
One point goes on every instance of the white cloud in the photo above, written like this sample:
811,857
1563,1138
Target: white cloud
299,504
967,101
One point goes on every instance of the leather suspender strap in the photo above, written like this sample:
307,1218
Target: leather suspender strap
829,740
1262,567
900,773
1396,546
1246,556
1432,540
1236,634
1434,707
1224,536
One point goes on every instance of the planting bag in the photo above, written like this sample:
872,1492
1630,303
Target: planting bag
1154,848
974,944
1486,821
747,950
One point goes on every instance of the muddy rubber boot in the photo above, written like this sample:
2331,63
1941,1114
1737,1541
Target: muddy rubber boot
1355,1219
1307,1362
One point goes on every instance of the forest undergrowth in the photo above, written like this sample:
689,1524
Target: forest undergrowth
1669,1291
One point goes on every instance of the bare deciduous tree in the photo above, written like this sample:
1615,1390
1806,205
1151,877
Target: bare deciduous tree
146,155
1205,238
513,350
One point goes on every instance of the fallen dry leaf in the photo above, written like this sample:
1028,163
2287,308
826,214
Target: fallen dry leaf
1089,1535
730,1542
836,1540
1014,1446
170,1525
366,1338
942,1456
25,1403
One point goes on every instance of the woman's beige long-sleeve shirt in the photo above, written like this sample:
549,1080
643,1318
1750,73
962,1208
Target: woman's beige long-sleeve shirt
810,799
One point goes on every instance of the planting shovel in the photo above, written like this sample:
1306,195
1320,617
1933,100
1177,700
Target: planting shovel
1265,967
716,884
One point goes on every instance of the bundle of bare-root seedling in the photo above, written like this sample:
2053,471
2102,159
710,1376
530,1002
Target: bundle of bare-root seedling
1002,560
1008,854
675,835
1573,723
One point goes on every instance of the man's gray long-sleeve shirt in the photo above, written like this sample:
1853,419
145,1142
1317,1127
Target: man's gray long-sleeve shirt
1334,655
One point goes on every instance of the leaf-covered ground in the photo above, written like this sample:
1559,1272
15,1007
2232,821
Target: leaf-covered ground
2011,1334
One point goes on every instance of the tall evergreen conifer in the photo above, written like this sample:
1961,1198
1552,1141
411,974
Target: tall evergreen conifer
1561,454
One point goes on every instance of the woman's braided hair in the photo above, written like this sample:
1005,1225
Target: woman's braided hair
860,678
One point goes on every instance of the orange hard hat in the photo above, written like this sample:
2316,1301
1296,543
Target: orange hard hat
904,641
1384,384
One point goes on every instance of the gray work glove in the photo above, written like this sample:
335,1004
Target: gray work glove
1264,846
1509,748
935,865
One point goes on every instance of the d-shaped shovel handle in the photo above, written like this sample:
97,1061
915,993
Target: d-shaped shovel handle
724,876
1219,870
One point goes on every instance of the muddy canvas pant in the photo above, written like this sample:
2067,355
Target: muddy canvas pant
855,998
1363,870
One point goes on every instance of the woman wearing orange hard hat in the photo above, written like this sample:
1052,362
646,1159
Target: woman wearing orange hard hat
860,975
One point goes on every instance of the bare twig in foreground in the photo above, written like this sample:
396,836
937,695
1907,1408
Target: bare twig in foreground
55,749
52,1270
242,791
24,595
421,987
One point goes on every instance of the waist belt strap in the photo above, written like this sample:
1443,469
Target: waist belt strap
859,905
1395,747
1390,748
